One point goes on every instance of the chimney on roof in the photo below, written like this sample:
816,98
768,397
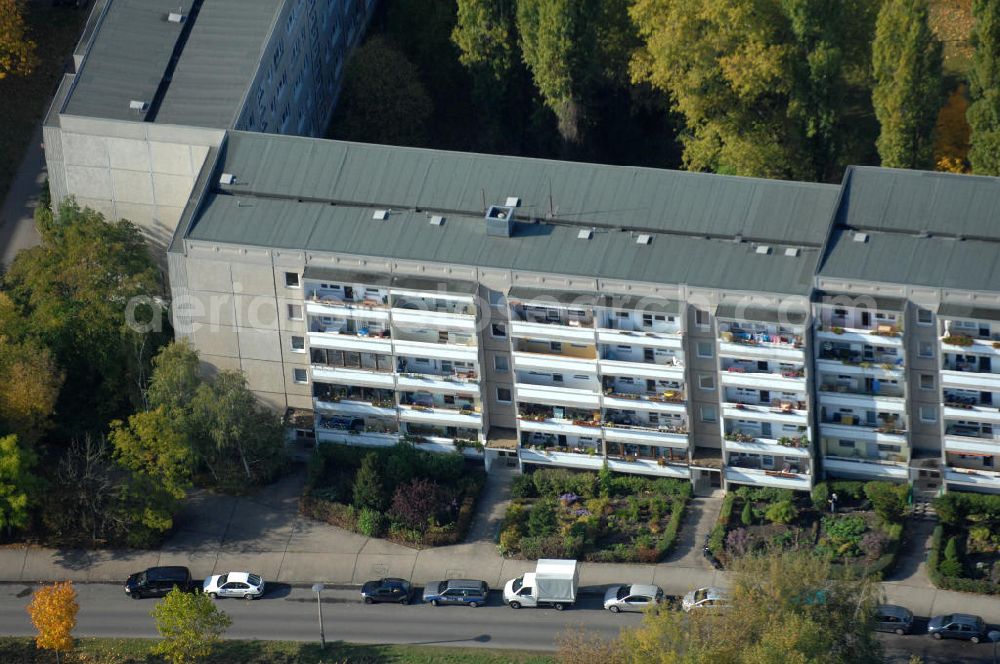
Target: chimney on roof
500,221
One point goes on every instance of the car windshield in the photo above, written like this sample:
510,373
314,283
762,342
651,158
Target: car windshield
624,592
700,594
441,587
222,579
253,579
517,584
659,596
140,577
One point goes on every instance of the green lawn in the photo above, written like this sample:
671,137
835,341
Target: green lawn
23,101
136,651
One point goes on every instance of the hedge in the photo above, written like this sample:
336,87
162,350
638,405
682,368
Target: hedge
716,541
980,586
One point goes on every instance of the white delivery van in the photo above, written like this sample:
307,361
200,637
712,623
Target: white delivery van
553,583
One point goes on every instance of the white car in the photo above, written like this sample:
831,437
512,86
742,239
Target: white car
706,598
635,597
234,584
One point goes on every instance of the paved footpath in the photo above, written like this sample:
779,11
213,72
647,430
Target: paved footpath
265,533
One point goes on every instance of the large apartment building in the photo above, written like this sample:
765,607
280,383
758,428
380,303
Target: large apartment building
728,331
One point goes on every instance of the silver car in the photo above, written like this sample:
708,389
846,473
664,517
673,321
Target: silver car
233,584
635,597
714,599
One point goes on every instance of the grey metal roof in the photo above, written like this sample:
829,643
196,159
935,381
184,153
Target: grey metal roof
905,259
132,50
921,201
967,311
660,200
128,58
218,63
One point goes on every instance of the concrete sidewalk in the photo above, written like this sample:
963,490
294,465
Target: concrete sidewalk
265,533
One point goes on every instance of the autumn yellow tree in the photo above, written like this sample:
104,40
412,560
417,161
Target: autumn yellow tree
53,612
17,52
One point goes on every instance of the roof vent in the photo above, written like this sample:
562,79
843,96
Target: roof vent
437,220
584,234
176,17
738,238
861,237
227,178
138,105
924,234
791,252
381,215
513,202
500,221
644,238
763,250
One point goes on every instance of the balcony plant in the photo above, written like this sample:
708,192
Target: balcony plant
739,437
961,340
836,329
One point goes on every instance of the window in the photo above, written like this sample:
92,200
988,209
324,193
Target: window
299,375
706,382
927,381
928,414
894,449
294,312
705,349
496,298
701,318
298,344
292,280
555,346
503,395
708,414
557,378
926,349
498,330
501,364
846,443
924,317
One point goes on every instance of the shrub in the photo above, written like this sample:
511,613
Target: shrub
542,519
673,526
717,537
522,487
981,538
368,490
820,494
370,522
739,542
746,516
949,567
417,503
605,479
510,539
951,549
888,499
552,546
783,512
873,544
848,488
844,528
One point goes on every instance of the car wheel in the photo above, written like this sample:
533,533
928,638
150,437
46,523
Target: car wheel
369,600
937,635
434,602
975,639
515,605
214,595
614,609
136,595
405,600
248,597
473,604
560,607
900,631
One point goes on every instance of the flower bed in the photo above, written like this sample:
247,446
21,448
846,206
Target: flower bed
965,547
598,517
863,534
400,493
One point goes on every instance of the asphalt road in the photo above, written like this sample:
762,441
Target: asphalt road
288,613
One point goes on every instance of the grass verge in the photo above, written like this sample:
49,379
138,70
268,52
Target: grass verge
137,651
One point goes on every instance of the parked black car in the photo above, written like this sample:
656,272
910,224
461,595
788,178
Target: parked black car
387,590
894,619
157,582
957,626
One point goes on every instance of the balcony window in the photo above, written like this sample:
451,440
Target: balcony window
706,349
498,330
708,414
926,349
294,312
298,344
496,299
928,414
501,364
292,280
706,382
701,318
926,381
925,317
300,376
503,395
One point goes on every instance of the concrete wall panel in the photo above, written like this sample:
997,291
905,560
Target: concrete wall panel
172,190
132,187
82,150
89,182
209,275
216,340
256,311
264,376
252,279
128,154
260,344
171,158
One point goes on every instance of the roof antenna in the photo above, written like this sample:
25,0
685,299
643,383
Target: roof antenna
552,212
483,192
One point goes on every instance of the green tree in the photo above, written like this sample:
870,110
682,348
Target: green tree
746,516
888,499
908,90
486,36
152,444
29,388
764,86
383,99
984,89
75,294
175,378
769,620
368,490
190,624
239,441
559,46
16,482
783,511
17,51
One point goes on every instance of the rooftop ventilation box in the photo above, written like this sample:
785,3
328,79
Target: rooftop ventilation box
500,221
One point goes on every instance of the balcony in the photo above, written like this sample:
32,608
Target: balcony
348,297
424,433
774,478
557,396
636,320
363,336
962,342
980,479
468,417
553,363
662,436
353,377
881,334
830,355
551,332
965,379
445,305
437,345
886,428
559,420
648,460
975,447
763,381
779,412
365,430
645,364
558,317
453,383
669,401
749,443
972,430
862,468
563,457
644,339
834,395
759,342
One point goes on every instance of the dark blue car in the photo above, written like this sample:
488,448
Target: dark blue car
957,626
464,592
